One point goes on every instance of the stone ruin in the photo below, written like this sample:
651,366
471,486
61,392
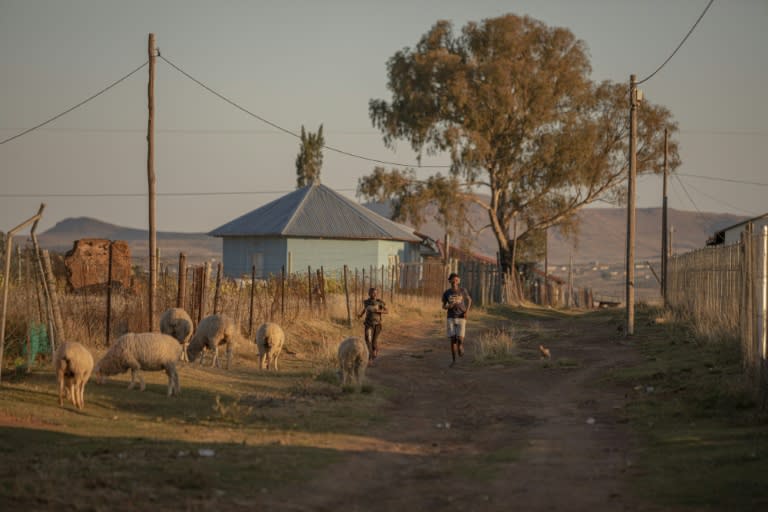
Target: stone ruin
87,264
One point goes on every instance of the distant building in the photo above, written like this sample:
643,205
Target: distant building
313,226
732,234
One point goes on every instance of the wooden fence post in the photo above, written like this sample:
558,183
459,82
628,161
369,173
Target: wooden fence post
108,323
59,324
282,294
181,294
253,293
217,292
309,286
346,294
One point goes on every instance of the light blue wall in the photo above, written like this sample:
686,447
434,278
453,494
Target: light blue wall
238,256
332,255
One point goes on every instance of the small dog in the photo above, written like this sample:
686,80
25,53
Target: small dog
545,353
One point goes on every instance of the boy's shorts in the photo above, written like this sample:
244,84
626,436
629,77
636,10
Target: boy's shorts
456,327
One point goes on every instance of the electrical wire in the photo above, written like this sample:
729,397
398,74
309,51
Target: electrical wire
113,84
165,194
720,201
727,180
678,46
289,132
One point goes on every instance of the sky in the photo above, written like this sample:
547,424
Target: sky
306,63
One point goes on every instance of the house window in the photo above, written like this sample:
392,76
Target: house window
257,260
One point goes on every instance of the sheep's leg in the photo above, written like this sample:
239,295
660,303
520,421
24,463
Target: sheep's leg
229,353
60,377
78,389
262,358
274,361
183,357
173,379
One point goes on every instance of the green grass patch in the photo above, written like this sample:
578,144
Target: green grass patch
704,439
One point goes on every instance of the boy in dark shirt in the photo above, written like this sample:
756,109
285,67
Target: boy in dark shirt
456,301
373,308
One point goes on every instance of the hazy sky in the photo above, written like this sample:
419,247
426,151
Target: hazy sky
305,63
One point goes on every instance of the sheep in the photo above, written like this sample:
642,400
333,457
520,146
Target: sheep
269,340
213,330
177,323
73,364
149,351
353,359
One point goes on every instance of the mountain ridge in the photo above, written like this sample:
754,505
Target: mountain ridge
600,236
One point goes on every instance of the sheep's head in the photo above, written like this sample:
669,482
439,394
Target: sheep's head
193,350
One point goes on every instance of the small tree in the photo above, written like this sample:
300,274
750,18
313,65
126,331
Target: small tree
309,161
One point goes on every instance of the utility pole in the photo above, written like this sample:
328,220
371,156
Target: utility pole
664,220
634,98
151,180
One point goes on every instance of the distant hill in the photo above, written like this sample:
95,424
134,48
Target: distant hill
198,247
600,238
602,233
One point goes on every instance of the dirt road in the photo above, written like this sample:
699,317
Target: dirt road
530,436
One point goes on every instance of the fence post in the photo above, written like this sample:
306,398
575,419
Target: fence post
217,292
59,324
282,294
181,294
309,287
762,295
250,307
109,294
346,294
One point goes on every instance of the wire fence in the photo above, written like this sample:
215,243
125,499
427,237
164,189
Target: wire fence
725,287
96,308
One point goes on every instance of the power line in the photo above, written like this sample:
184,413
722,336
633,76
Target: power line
76,106
287,131
720,201
751,133
727,180
700,217
166,194
678,46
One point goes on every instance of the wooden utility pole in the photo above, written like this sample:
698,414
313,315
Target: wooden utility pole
664,220
631,213
151,180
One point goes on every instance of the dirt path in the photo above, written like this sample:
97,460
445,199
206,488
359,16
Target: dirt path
529,437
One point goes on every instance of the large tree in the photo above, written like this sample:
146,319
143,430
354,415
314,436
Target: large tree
309,161
529,134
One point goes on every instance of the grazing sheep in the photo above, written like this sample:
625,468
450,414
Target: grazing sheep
353,359
177,323
149,351
269,340
73,364
214,330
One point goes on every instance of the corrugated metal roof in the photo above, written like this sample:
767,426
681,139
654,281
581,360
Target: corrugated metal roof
315,211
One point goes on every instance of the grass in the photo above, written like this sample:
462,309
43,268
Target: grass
261,429
704,439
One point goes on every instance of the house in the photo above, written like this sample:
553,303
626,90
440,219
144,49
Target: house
732,234
313,226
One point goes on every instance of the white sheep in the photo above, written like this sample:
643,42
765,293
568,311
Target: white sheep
353,359
148,351
73,364
269,340
177,323
213,330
